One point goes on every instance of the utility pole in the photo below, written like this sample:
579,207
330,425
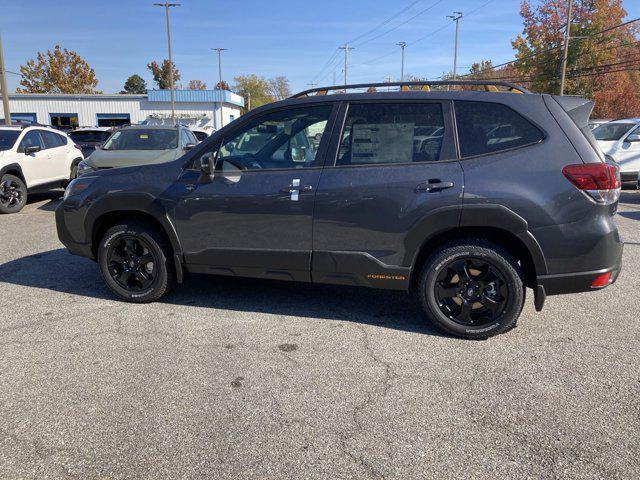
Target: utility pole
402,45
388,80
346,49
248,101
3,86
312,85
567,36
219,50
166,6
456,18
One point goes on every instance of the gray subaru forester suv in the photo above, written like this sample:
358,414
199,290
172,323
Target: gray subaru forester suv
464,194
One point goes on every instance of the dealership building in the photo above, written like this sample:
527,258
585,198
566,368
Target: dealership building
199,108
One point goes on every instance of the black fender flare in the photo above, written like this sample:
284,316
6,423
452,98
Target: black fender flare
495,216
134,202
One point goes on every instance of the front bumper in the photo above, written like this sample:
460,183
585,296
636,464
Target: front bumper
62,225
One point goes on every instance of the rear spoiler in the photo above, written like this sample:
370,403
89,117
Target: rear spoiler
578,108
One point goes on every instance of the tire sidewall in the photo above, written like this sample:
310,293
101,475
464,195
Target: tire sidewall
514,285
23,190
159,284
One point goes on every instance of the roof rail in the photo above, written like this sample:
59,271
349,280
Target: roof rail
424,85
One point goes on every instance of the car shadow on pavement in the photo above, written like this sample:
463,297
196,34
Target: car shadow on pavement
58,270
53,197
630,215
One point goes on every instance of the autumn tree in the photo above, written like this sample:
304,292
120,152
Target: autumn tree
57,71
222,85
161,74
196,85
279,88
602,61
372,90
135,84
255,87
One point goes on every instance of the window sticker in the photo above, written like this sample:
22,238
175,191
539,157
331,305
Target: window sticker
382,143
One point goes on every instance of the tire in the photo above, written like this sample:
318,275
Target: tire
129,254
13,194
472,289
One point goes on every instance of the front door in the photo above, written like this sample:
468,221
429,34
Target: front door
255,216
35,166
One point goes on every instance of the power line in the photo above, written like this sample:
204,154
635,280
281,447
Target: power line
393,17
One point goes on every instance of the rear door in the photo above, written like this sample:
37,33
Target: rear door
58,161
393,179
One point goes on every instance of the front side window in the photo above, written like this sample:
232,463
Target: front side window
31,139
201,136
282,139
612,132
392,133
143,139
8,139
485,127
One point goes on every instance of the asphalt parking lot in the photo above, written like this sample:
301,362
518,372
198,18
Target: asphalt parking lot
231,378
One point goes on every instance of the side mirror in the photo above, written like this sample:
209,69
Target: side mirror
231,146
207,164
189,146
32,149
634,137
298,154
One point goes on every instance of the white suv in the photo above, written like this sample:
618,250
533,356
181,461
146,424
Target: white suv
33,158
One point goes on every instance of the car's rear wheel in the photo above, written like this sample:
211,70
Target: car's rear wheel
13,194
136,262
472,289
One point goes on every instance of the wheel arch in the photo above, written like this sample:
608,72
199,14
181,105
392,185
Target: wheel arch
14,169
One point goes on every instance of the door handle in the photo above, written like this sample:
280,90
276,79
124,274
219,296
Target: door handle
432,186
298,188
190,187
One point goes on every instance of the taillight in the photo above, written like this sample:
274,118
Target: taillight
601,280
600,181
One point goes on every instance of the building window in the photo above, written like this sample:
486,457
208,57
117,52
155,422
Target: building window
231,118
64,121
29,117
113,119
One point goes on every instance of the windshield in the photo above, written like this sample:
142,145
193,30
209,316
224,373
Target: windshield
610,132
8,138
89,136
142,139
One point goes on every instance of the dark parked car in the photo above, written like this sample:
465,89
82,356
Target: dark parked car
464,198
88,139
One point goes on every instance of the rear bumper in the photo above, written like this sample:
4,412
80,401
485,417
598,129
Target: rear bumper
580,281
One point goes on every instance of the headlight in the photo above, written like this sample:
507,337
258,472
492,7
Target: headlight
77,186
84,167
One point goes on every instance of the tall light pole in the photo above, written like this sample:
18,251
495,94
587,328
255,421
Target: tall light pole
402,45
3,86
456,18
346,49
219,50
166,6
567,36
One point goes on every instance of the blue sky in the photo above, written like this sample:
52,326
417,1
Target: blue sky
269,38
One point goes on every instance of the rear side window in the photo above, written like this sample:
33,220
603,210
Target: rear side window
391,133
52,140
485,127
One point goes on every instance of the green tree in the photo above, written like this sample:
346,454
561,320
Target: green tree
255,87
57,71
135,84
161,74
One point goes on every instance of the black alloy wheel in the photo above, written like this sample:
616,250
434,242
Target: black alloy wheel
13,194
132,264
471,291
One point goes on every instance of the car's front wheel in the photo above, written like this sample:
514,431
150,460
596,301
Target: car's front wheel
13,194
472,289
136,262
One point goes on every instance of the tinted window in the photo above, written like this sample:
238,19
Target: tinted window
391,133
201,136
612,132
89,136
51,140
143,139
31,139
490,127
283,139
8,138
